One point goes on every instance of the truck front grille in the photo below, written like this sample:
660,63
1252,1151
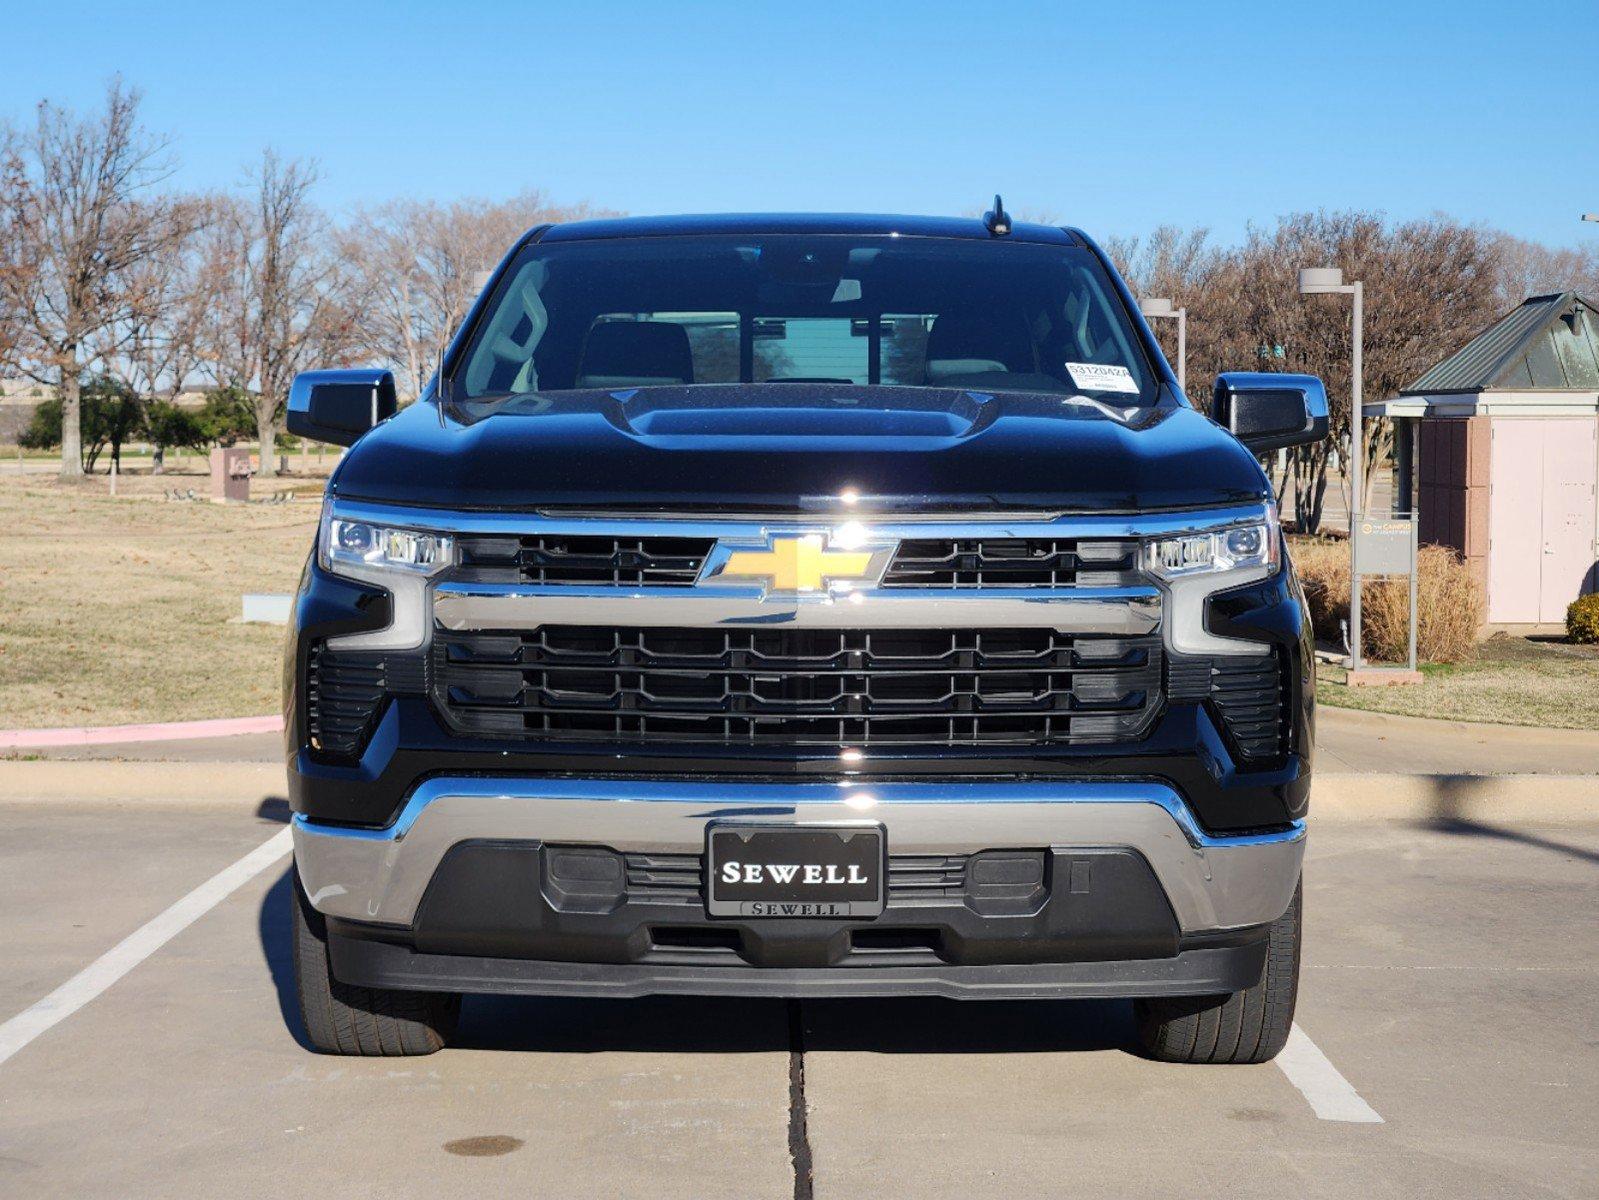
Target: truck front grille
985,562
799,687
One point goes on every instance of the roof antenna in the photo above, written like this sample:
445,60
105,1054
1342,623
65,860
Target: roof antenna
996,220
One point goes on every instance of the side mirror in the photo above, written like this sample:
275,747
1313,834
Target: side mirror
1267,411
339,406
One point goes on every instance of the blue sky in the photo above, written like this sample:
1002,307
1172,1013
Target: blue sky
1114,116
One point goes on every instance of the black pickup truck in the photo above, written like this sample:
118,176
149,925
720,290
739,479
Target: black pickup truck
801,606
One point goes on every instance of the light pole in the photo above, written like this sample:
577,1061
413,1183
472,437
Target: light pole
1314,281
1162,307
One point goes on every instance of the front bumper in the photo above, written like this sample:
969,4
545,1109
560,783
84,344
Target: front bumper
471,889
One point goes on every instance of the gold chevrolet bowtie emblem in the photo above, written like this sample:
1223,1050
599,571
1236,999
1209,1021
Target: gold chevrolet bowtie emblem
798,564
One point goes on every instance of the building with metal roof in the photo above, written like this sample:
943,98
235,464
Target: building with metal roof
1498,455
1548,345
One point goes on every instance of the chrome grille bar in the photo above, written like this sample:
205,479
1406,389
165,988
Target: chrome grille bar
1121,611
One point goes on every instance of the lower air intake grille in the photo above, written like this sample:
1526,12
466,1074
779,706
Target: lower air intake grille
343,694
1252,696
796,687
1249,693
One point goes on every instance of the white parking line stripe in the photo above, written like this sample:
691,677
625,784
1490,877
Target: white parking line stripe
138,946
1329,1093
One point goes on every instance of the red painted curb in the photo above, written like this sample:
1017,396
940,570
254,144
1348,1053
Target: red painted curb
103,735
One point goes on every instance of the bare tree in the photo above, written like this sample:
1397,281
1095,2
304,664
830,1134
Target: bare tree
78,219
1429,284
416,265
1181,265
1425,280
154,346
1531,269
277,303
18,261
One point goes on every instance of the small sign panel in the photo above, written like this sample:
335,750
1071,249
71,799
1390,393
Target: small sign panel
1384,547
1102,377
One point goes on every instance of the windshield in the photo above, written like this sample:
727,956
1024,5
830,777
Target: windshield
628,313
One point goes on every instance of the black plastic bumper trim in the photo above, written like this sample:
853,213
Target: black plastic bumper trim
1201,972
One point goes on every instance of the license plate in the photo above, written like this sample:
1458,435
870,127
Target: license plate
794,870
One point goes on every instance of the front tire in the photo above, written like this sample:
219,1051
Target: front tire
340,1018
1250,1026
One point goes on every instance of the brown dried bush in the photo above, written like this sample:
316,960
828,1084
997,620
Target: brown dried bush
1323,566
1448,603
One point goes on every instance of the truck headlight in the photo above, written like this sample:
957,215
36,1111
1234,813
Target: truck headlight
1194,564
1234,548
392,557
364,545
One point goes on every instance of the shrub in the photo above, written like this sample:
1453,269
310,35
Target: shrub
168,427
228,416
1582,618
1323,566
43,430
109,413
1449,603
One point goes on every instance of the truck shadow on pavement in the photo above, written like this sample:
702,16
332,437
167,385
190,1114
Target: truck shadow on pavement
273,924
1455,810
724,1025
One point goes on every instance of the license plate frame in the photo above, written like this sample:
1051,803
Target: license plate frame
840,894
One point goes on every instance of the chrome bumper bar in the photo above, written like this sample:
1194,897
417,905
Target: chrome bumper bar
1213,882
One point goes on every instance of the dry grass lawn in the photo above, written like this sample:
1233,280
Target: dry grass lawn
125,610
1511,681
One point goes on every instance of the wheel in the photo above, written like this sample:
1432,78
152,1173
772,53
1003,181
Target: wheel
340,1018
1250,1026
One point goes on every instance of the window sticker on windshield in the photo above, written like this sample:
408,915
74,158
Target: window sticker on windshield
1102,377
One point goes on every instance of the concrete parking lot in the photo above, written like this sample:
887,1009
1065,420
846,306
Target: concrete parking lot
1449,983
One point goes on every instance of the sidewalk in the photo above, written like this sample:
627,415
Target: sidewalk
1348,740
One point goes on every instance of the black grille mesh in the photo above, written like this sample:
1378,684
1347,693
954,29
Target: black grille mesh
586,559
1010,562
798,687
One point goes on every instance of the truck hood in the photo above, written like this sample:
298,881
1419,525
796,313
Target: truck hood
795,447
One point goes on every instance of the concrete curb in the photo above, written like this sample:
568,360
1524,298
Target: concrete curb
106,782
1568,799
110,735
